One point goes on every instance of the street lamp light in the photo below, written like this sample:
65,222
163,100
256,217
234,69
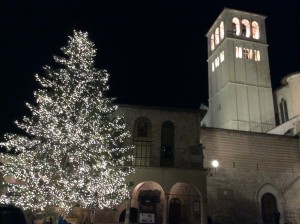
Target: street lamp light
215,163
213,169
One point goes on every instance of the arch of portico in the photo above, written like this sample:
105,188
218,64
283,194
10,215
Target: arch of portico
167,185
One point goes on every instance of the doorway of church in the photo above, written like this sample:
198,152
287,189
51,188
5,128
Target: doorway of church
175,211
269,209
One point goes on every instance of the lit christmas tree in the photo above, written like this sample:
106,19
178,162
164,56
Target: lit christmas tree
73,152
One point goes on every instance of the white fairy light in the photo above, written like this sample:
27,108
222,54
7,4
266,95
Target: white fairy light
71,153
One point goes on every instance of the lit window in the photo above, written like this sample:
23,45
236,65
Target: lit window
212,42
283,111
248,53
217,62
256,55
221,30
236,26
213,66
255,30
217,36
222,56
238,52
245,28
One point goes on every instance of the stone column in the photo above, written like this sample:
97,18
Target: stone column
204,210
127,214
166,210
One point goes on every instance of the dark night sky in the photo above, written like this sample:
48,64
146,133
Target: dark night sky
155,51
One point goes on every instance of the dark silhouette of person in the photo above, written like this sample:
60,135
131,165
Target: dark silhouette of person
277,216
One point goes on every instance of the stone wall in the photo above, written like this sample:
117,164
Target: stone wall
251,164
186,124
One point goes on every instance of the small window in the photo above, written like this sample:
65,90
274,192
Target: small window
248,53
222,57
213,66
217,36
255,30
238,52
212,42
245,28
256,55
217,62
142,129
283,111
222,30
236,26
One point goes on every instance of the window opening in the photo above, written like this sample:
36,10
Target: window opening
217,62
238,52
221,30
248,53
212,42
222,57
283,111
255,30
236,26
245,28
256,55
142,142
217,36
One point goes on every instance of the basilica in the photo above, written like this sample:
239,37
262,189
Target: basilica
249,131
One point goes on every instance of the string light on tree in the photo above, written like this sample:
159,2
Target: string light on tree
73,152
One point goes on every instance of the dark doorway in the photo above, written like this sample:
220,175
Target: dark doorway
133,215
175,211
269,208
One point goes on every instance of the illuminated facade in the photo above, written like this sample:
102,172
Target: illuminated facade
240,92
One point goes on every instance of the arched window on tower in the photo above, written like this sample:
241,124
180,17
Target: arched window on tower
245,28
221,30
236,26
212,42
284,116
167,144
142,142
217,35
255,30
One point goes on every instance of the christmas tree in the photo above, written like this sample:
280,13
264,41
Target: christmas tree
73,152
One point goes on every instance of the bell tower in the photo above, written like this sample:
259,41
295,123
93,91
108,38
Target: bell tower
240,91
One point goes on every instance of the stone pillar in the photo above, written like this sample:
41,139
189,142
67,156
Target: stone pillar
166,210
204,210
127,214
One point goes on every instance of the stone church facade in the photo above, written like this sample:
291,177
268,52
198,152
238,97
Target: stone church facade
248,128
